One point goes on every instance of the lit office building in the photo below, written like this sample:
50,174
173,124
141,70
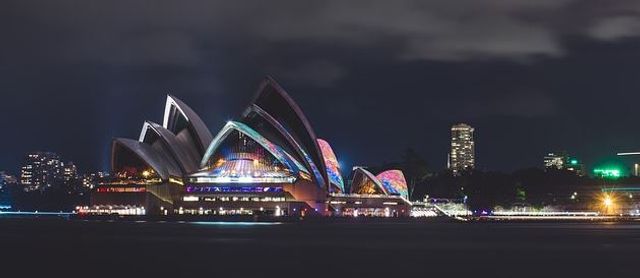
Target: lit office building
555,160
42,170
562,161
462,155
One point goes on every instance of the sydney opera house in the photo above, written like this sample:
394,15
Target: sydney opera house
269,161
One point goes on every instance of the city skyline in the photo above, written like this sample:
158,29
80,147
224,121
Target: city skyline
542,81
624,162
154,138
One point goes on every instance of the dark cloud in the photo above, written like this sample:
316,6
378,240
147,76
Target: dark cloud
616,28
528,104
315,73
396,73
173,32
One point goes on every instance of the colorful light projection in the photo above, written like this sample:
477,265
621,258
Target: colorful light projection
294,142
366,183
233,189
274,149
330,160
121,189
394,182
240,165
369,187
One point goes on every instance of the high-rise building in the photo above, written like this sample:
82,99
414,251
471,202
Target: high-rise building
42,170
462,155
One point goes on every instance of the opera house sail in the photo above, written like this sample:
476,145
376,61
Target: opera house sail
278,109
333,166
366,183
270,162
394,182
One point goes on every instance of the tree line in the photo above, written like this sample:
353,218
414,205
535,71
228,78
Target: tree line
534,187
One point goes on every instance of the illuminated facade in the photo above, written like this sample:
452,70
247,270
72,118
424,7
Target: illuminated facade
562,161
462,155
384,195
267,162
390,183
333,166
394,182
364,182
554,160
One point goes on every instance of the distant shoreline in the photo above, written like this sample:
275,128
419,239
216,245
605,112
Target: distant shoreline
312,219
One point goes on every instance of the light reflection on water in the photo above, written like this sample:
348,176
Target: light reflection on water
227,223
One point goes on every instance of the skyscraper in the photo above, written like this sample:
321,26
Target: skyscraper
462,155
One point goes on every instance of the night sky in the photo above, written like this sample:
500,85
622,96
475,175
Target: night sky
373,77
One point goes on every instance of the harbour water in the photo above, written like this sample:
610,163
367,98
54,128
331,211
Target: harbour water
347,248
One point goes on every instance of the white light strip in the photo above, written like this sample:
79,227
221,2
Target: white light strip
545,213
221,223
550,217
167,111
145,127
631,153
35,213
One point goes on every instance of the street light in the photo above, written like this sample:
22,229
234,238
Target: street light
608,203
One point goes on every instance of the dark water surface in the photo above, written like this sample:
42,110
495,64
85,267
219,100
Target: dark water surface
61,248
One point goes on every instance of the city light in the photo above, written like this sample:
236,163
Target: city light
628,153
611,173
227,223
190,198
608,203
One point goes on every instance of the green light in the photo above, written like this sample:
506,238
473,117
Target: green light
607,173
574,162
